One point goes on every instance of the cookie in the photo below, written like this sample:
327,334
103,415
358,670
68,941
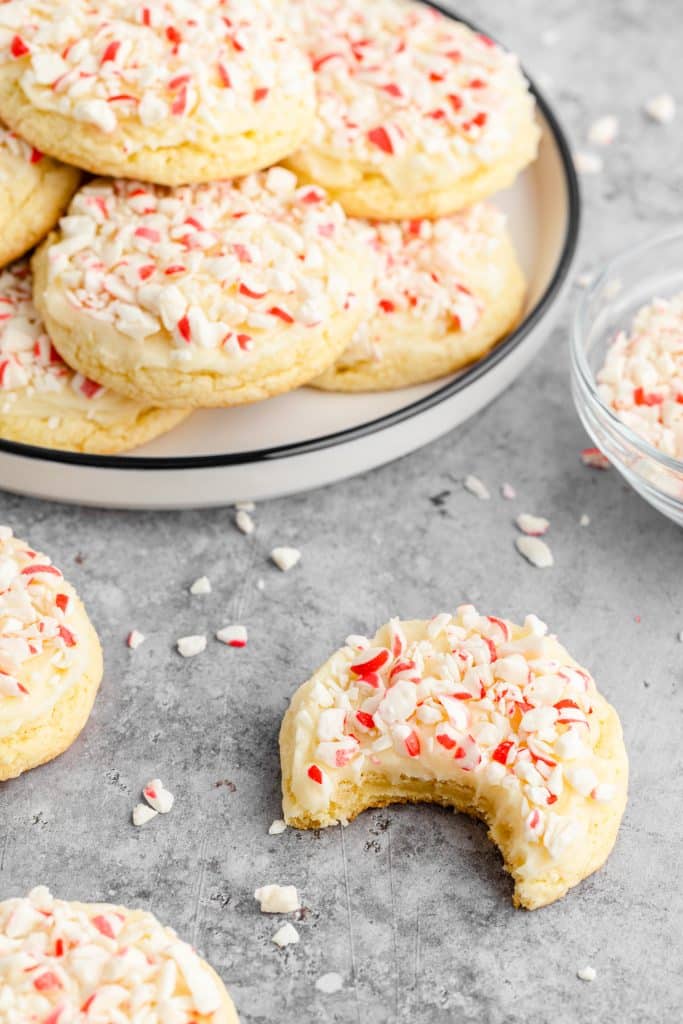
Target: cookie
418,116
169,91
50,659
208,295
446,291
471,712
44,402
34,191
65,961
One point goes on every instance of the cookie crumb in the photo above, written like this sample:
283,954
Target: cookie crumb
233,636
588,163
277,828
134,639
158,797
277,899
535,551
594,458
243,521
508,492
285,936
604,131
285,558
201,586
532,526
189,646
142,814
330,983
476,487
661,108
587,973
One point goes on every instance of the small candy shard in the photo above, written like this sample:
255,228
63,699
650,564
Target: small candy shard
142,814
476,487
158,797
189,646
285,558
604,131
278,899
585,520
277,828
243,521
535,551
661,108
508,492
594,458
533,526
330,983
587,973
134,639
286,935
233,636
201,586
588,163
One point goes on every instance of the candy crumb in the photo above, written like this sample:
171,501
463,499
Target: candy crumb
584,280
594,458
233,636
277,899
476,487
260,584
201,586
604,131
245,506
285,558
286,935
587,973
585,520
588,163
188,646
508,492
277,828
535,551
330,983
243,521
661,108
158,797
142,814
134,639
533,526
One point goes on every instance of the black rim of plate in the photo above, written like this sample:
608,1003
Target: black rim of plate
470,375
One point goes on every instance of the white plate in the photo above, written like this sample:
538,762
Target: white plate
309,438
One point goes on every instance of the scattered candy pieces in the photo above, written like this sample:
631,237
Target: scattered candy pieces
508,492
476,487
188,646
244,522
285,558
594,458
587,973
277,899
604,131
277,828
661,108
233,636
286,935
533,526
535,551
158,797
585,520
201,586
330,983
588,163
142,813
134,639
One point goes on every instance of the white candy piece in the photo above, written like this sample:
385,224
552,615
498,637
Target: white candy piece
508,492
285,558
243,521
233,636
277,828
476,487
585,520
588,163
330,983
134,639
277,899
201,586
189,646
604,131
533,526
587,973
535,551
142,814
285,936
661,108
158,797
245,506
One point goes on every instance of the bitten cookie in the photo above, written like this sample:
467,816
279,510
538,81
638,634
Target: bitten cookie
50,659
171,91
418,116
208,295
471,712
43,402
446,292
69,962
34,192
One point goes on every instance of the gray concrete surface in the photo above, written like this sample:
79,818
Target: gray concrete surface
409,905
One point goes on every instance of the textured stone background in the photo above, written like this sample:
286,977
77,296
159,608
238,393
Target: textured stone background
409,905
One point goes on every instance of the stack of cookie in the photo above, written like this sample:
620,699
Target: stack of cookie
194,270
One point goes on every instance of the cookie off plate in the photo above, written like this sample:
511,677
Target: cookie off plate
309,438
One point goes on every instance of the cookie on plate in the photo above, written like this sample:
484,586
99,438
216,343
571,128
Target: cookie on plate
207,295
169,91
418,116
34,192
66,961
44,402
50,659
446,292
471,712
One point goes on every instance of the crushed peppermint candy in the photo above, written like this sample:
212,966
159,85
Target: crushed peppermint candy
330,983
641,380
278,899
588,163
604,131
595,459
189,646
587,973
68,961
476,487
533,526
508,492
661,108
286,936
277,827
158,797
243,521
13,148
536,551
402,89
201,586
142,814
215,270
285,558
233,636
134,639
135,69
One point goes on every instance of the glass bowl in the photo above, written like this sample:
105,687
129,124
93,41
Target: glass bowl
648,271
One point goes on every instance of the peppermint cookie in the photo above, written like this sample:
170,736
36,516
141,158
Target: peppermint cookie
50,660
68,962
171,91
44,402
471,712
418,116
446,291
34,191
207,295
